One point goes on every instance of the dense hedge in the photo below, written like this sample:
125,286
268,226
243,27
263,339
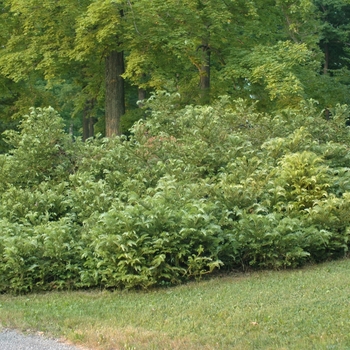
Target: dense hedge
191,190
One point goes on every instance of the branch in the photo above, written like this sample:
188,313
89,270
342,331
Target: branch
133,17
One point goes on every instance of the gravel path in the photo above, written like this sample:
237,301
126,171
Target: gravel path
12,340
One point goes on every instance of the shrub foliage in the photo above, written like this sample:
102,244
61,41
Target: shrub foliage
191,190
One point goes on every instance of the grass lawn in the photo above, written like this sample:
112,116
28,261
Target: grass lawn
299,309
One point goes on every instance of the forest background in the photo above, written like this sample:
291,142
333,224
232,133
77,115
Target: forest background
239,158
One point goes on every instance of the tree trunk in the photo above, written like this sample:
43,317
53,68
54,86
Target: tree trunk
88,127
204,82
141,96
326,59
115,101
88,120
86,131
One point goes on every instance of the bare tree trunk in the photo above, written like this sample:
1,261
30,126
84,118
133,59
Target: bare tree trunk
86,131
88,127
141,96
115,99
204,82
88,120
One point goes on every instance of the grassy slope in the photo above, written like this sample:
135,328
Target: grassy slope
300,309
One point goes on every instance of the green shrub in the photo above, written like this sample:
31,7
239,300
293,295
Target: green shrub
39,151
152,239
33,206
41,257
189,191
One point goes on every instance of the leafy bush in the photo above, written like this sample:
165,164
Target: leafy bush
189,191
39,151
39,257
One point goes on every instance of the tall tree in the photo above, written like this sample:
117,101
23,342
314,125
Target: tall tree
100,37
269,50
49,38
335,33
181,45
35,53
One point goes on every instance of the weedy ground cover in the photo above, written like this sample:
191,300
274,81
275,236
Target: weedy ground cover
292,309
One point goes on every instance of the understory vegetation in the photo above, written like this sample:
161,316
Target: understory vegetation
190,191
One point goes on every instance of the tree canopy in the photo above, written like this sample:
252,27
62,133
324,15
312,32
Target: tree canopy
98,54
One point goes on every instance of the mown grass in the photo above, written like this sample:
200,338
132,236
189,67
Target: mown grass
299,309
